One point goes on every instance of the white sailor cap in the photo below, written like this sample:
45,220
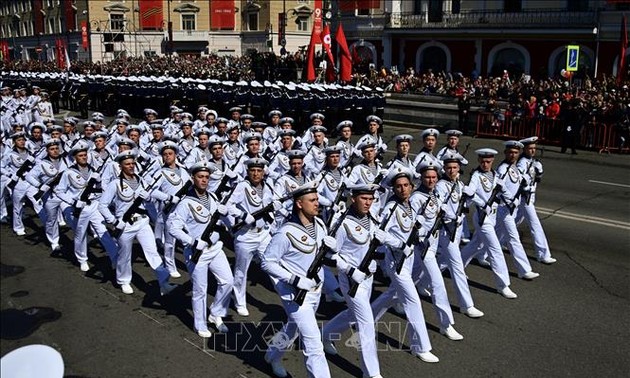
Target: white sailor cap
486,152
19,134
395,173
450,157
98,134
331,150
284,120
430,132
126,142
214,140
168,144
185,122
318,129
121,121
528,141
427,166
295,154
235,109
202,109
453,132
247,116
363,189
70,120
513,144
367,143
157,125
403,138
373,118
252,136
309,187
286,132
96,116
129,154
186,115
259,125
87,124
256,162
175,110
221,120
80,146
213,112
203,131
148,111
38,125
202,166
317,116
53,142
343,124
54,127
275,112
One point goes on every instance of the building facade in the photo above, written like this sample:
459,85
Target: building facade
467,36
484,37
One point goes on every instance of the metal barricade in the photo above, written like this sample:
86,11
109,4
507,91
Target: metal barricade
549,131
594,136
617,140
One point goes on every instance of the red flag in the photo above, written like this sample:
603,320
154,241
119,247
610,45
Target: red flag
310,59
621,69
327,43
345,60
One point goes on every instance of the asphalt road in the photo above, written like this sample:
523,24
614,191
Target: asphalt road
571,321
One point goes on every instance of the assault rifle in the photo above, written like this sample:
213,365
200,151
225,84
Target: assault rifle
318,262
371,254
212,224
19,174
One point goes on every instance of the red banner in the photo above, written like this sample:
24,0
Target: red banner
345,60
351,5
222,15
84,35
150,14
623,44
4,45
317,21
38,24
68,12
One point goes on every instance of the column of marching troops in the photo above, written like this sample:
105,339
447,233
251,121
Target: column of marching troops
317,216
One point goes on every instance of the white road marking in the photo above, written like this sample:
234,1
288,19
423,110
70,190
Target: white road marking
150,317
198,347
609,183
585,218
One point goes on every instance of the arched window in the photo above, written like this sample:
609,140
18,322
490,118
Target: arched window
511,57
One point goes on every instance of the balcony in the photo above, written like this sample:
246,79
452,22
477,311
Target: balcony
190,35
548,18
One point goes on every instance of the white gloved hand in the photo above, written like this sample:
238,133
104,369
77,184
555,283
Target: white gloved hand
277,205
233,211
380,235
382,172
174,200
341,263
249,219
199,244
79,204
284,212
44,188
230,173
303,283
357,275
119,225
330,242
214,238
342,207
407,250
468,191
444,207
95,176
222,209
141,193
487,210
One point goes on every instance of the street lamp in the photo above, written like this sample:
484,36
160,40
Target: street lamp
596,33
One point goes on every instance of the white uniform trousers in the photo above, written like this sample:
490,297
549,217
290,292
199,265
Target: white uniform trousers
427,273
302,320
4,180
19,192
403,290
486,235
508,233
528,213
54,210
140,230
451,257
360,313
247,243
162,233
215,261
91,216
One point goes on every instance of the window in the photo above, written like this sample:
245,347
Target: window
302,23
117,21
51,26
456,6
188,22
512,5
252,21
577,5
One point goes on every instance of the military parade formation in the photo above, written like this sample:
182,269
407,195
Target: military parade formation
322,219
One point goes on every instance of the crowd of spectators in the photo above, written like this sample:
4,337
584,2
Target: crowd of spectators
602,100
